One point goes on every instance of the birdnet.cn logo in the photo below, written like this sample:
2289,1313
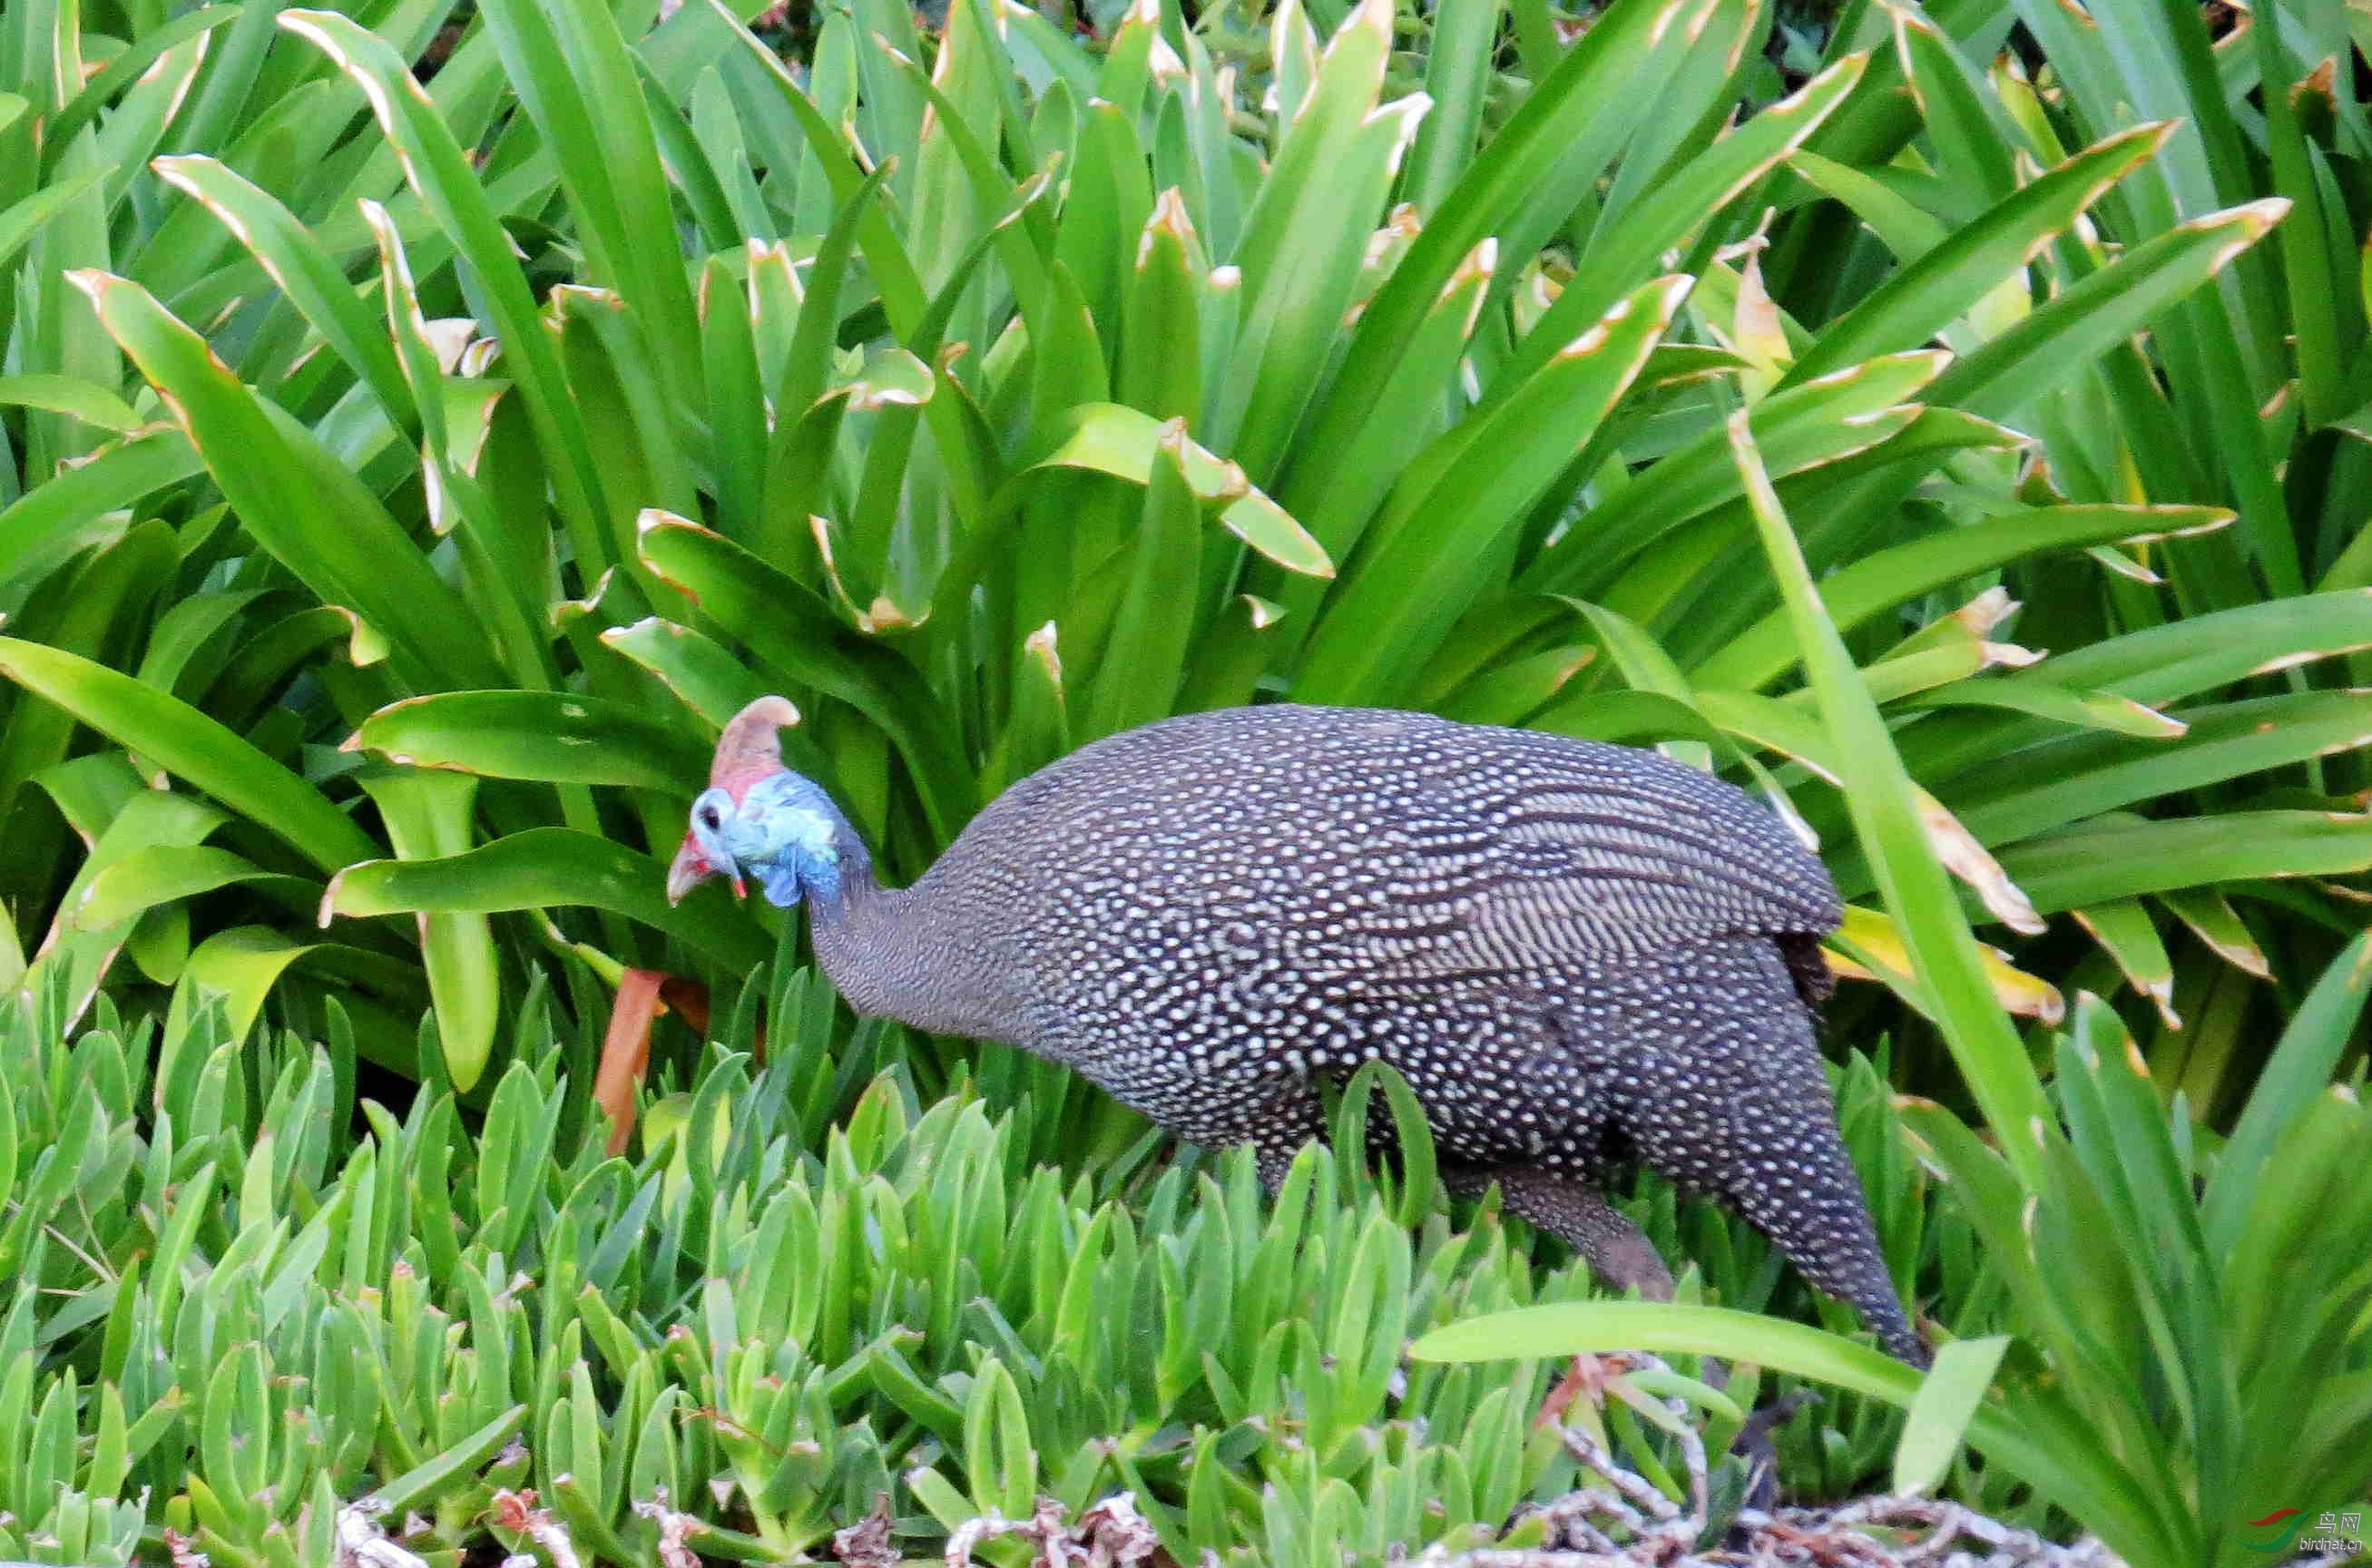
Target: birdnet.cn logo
2335,1534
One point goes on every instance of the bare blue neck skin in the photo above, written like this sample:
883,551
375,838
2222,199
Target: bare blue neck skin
787,834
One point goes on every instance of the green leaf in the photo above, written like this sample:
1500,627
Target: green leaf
2085,710
1160,369
143,819
168,874
241,965
308,275
49,524
1938,1419
560,737
711,681
2079,776
544,866
1109,439
1621,252
1908,229
1136,678
1886,817
22,221
2068,332
186,743
903,297
2127,934
1300,251
1338,486
2213,920
302,505
92,405
1574,1328
1457,80
1428,556
427,814
577,80
2299,1071
2120,857
1934,291
435,165
1817,424
435,1479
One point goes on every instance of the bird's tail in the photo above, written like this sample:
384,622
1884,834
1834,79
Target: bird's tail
1724,1092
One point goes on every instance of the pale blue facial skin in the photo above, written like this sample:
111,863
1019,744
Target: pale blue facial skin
785,832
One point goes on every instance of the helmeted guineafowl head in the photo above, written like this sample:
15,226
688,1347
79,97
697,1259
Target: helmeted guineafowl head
758,818
1576,954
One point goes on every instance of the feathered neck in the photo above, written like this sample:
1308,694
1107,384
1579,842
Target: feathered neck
903,953
914,955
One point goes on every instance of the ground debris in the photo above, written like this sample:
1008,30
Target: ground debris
360,1543
866,1543
1110,1534
675,1530
1627,1522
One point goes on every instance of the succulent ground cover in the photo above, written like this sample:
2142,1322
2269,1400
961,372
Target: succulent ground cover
421,426
240,1294
863,1290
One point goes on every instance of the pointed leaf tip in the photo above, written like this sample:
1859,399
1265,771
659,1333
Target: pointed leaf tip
94,282
328,910
2257,216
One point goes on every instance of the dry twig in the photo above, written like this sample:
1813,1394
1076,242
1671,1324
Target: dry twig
1628,1523
1111,1534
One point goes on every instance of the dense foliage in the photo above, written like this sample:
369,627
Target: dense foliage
841,1276
422,425
241,1303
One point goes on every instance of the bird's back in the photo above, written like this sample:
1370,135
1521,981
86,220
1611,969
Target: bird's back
1200,910
1534,845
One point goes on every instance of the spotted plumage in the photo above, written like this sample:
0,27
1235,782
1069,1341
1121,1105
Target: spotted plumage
1578,955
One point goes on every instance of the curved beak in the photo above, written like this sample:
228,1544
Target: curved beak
690,869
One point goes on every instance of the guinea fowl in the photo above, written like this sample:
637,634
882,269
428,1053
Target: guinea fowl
1578,955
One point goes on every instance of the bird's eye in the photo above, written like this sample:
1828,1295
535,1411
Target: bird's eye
708,818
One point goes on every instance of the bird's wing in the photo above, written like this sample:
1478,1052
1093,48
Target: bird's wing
1549,849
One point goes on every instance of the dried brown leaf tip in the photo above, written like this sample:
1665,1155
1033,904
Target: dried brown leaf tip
517,1512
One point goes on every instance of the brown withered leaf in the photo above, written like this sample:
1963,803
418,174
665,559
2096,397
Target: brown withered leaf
644,995
626,1051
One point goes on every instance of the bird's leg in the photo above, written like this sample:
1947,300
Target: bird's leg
1577,1213
1617,1252
1574,1210
1754,1446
